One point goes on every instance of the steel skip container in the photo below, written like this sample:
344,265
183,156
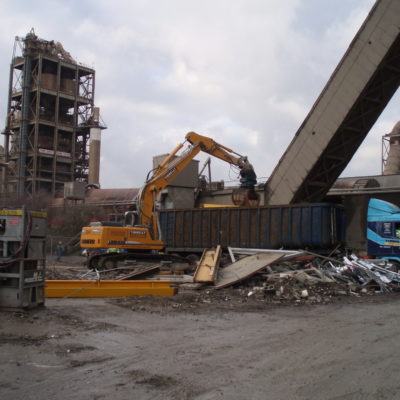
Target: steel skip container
312,226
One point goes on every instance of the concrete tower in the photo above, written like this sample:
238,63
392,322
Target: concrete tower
49,113
94,149
392,162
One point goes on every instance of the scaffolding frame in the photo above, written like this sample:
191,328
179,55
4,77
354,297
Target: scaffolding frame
49,109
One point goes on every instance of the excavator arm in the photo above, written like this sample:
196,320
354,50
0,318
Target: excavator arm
248,176
218,150
173,165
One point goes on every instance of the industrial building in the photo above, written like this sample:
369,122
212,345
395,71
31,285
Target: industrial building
50,115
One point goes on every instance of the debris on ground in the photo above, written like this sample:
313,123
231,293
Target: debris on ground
316,278
277,276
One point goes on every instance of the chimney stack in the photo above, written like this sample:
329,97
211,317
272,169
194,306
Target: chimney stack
94,149
392,166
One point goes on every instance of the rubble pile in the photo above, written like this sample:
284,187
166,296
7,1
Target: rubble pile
318,278
302,286
258,276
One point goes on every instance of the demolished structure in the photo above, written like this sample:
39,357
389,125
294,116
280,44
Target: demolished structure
51,119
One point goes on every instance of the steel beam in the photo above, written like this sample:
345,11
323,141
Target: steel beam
107,288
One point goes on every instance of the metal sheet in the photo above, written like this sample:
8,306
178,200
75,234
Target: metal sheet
244,268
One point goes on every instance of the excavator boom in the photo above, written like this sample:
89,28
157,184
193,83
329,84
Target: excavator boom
143,234
172,165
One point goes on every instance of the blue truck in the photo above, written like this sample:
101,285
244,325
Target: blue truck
383,230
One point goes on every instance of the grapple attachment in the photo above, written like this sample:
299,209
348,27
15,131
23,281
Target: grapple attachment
245,197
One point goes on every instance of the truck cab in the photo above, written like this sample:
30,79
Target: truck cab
383,230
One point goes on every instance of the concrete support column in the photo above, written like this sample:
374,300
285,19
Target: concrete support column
94,149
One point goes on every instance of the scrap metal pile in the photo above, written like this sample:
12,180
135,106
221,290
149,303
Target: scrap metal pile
304,276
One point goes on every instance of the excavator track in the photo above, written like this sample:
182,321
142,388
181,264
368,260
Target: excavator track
110,260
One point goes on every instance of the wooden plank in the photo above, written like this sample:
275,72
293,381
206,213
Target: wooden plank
207,268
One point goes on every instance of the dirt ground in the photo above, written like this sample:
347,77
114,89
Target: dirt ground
201,345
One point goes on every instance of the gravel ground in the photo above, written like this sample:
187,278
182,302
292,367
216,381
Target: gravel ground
191,347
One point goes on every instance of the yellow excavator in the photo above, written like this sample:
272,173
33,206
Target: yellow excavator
140,233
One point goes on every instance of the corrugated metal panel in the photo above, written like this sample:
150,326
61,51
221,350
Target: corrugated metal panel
292,227
354,97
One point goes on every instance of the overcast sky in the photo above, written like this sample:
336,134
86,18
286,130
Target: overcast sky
244,72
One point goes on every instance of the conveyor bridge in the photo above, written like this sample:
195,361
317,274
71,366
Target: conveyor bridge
356,94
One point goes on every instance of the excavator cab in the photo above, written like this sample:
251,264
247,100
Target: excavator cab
131,218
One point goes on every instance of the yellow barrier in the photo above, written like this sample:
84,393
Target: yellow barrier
90,288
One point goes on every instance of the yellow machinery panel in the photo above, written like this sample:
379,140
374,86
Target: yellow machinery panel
130,238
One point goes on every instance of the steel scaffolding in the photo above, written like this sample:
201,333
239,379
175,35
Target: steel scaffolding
49,113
